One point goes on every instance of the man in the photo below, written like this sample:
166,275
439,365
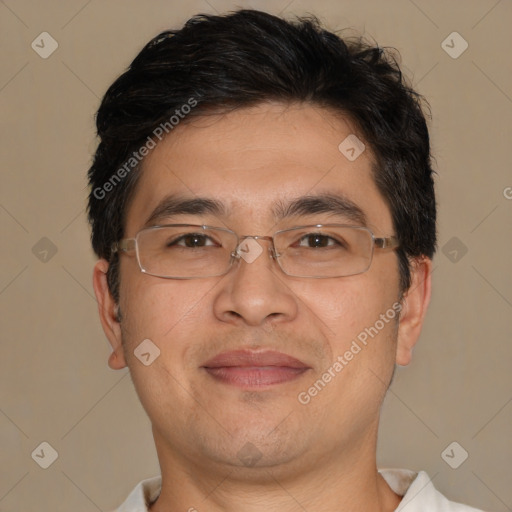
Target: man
263,208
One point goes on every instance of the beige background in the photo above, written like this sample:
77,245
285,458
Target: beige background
55,383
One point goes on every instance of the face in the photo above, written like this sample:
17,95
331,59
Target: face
250,161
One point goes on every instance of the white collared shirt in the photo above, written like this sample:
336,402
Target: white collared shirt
417,491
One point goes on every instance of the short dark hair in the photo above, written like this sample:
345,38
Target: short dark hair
250,57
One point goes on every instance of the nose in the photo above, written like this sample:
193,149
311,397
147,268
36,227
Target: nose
254,291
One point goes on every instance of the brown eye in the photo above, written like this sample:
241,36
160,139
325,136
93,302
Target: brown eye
191,240
317,240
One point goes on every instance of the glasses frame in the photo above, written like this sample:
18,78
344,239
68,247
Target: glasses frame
127,245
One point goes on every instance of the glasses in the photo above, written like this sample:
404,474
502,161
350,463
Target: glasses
187,251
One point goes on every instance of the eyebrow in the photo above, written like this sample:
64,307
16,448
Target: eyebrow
173,205
334,204
329,203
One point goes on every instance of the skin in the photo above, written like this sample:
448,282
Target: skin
320,456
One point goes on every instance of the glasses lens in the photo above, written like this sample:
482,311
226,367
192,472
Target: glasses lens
185,251
327,251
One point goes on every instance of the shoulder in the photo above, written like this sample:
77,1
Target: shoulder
418,492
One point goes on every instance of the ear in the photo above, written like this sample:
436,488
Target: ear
414,308
107,309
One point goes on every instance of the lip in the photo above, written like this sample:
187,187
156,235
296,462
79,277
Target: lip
249,370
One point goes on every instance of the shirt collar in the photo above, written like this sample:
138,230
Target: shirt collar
415,488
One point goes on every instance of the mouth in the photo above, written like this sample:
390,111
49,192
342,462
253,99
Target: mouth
250,370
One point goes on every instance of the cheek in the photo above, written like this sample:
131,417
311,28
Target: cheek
167,313
346,306
157,309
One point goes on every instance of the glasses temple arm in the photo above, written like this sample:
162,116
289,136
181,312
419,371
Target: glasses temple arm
124,245
386,242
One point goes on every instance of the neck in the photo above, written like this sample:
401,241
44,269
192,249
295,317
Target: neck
340,481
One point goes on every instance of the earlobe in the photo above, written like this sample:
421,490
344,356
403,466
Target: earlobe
414,308
108,311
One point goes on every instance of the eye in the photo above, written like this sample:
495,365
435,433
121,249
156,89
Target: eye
192,240
317,240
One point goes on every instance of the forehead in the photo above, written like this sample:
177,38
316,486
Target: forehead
254,162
